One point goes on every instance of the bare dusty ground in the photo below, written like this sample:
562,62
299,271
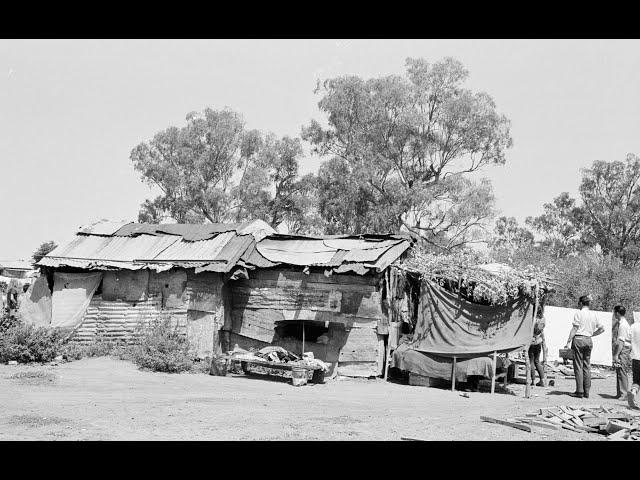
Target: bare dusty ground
108,399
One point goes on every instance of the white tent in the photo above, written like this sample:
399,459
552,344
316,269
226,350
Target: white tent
558,326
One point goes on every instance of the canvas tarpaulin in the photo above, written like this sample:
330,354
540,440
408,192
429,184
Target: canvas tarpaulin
448,325
434,366
72,293
35,304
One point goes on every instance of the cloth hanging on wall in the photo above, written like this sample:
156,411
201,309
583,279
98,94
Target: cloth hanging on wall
449,325
35,304
72,293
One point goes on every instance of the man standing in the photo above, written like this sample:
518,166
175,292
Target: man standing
634,335
585,326
622,352
538,346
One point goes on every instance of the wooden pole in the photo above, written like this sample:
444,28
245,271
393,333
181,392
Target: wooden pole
504,379
527,363
453,375
387,354
493,377
303,338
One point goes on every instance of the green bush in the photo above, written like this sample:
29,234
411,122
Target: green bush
73,351
162,348
27,343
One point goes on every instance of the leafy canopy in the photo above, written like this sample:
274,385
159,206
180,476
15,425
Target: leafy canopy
404,145
610,193
215,169
42,250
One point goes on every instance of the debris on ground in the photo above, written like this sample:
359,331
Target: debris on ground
276,361
615,424
567,371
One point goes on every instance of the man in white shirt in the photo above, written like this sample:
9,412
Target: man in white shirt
622,352
585,326
634,337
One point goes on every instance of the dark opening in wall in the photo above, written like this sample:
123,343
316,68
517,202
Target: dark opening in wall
293,329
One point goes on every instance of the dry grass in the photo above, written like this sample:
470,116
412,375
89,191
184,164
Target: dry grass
34,377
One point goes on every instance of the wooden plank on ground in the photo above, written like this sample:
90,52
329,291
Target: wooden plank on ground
613,426
519,426
619,435
538,423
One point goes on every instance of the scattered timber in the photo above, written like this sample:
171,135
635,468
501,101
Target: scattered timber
616,425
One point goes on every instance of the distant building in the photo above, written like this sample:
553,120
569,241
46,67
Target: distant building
17,272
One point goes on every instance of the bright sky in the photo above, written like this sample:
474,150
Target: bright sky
71,111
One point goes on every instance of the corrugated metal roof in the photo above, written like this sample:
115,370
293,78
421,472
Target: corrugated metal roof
195,232
234,248
252,258
368,254
103,227
16,264
193,251
359,243
156,247
330,252
230,255
88,264
296,251
220,247
115,249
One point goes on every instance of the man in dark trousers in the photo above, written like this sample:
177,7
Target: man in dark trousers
585,326
538,345
622,352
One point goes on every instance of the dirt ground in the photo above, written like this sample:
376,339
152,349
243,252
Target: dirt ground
108,399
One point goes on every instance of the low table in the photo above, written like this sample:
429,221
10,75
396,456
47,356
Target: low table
318,372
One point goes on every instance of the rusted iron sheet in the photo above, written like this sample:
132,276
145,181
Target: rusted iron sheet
104,227
194,251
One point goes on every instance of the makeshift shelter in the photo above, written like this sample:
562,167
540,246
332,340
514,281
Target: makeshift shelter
114,277
464,315
324,295
227,285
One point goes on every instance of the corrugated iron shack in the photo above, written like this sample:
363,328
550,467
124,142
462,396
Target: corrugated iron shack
328,292
227,285
112,278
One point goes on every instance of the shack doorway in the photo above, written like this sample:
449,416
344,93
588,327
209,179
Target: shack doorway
302,333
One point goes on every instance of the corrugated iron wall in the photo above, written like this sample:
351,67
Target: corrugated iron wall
192,301
116,319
